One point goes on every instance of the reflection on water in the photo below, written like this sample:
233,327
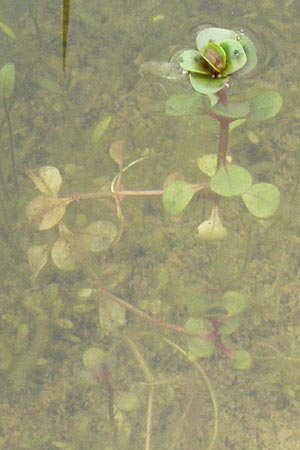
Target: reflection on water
50,400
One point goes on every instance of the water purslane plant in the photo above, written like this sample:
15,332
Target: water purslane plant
220,58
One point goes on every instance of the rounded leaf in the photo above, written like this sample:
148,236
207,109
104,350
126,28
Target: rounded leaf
213,34
208,163
230,181
262,200
112,316
45,212
200,347
92,359
126,401
192,61
205,84
234,302
47,179
177,196
233,110
265,105
250,51
98,236
64,255
241,360
197,304
195,326
183,105
235,55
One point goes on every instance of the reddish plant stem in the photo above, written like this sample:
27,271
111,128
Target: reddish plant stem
124,193
224,128
223,141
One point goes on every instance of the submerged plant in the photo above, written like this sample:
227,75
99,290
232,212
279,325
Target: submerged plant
221,55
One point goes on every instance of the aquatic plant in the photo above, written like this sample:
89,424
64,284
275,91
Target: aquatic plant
221,56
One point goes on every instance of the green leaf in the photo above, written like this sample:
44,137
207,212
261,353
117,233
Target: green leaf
234,302
112,316
212,229
98,236
262,199
230,181
208,163
100,128
250,51
230,326
177,196
126,401
197,304
192,61
92,359
183,105
213,34
204,84
265,105
7,80
201,348
236,57
233,110
241,360
195,326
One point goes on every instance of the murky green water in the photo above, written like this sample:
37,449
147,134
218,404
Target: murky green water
139,391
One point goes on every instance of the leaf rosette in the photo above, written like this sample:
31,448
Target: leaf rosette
220,53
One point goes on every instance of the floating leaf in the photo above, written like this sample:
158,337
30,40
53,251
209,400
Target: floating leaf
7,80
98,236
47,179
45,212
230,181
116,152
212,229
250,51
265,105
8,31
200,347
37,256
183,105
208,163
204,84
177,196
197,304
230,326
241,360
234,302
112,316
100,128
92,359
126,401
262,199
195,325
